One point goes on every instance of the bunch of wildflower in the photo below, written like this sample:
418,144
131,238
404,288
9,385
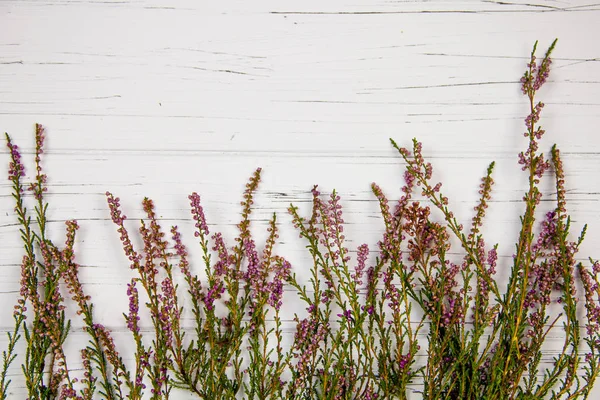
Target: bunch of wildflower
360,338
40,286
246,282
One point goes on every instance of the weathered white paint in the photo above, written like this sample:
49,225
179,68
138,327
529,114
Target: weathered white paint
162,98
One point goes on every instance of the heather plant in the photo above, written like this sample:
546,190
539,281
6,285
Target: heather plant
424,309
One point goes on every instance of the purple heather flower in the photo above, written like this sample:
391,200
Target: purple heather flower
589,357
536,75
108,344
254,275
156,245
596,267
383,203
282,273
547,238
71,271
16,169
221,268
133,316
347,314
362,255
336,228
404,361
114,204
195,286
331,227
40,136
169,310
492,260
67,392
38,187
118,218
371,277
542,73
247,203
391,292
307,340
179,246
388,246
370,394
198,215
214,293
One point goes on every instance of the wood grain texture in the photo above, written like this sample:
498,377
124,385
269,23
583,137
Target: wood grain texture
162,98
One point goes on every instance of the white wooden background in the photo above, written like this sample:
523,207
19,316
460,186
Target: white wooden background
162,98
